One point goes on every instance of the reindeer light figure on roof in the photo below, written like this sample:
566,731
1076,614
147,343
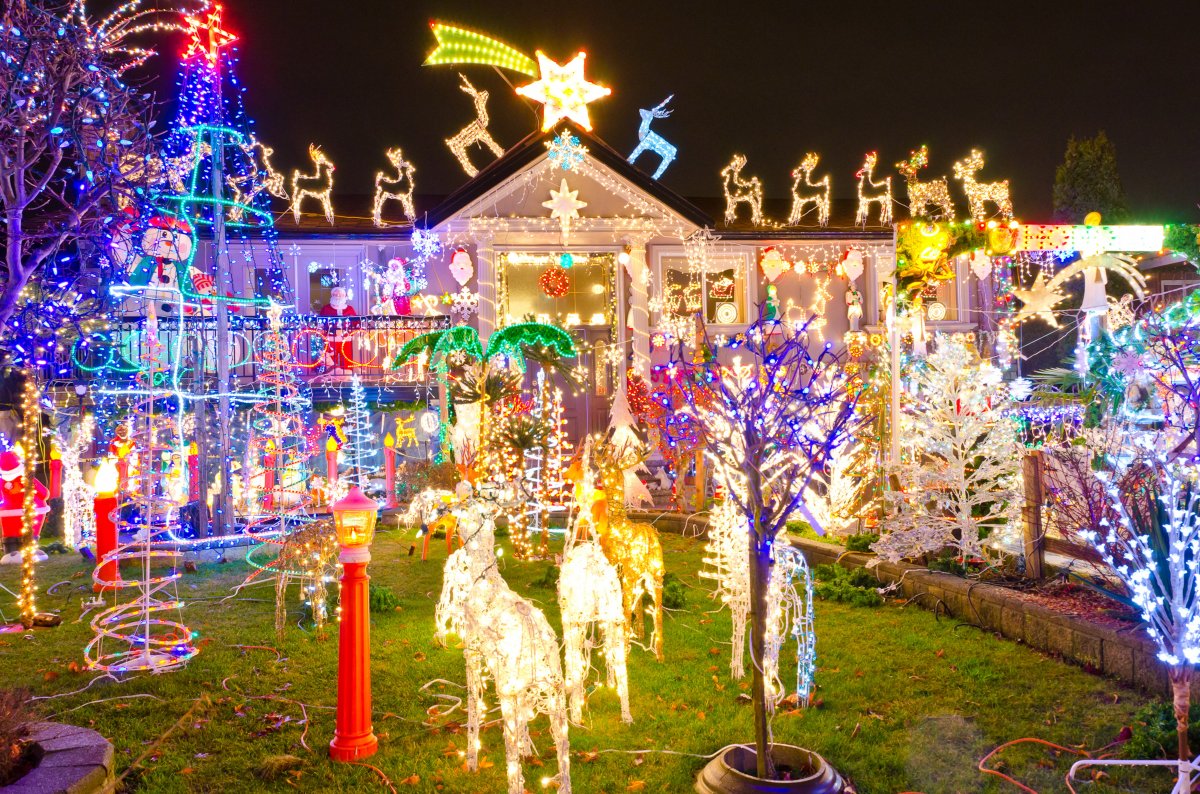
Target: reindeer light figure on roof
741,191
819,200
388,188
652,141
979,193
317,185
866,198
475,132
921,195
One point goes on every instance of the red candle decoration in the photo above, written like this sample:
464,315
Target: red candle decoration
105,505
389,469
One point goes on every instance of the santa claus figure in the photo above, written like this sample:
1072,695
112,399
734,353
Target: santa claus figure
394,291
338,356
12,507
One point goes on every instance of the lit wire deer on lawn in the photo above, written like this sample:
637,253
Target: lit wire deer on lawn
387,188
317,185
739,191
866,179
921,195
633,548
652,141
475,132
509,639
820,200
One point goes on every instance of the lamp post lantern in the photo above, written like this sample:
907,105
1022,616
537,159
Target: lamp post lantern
354,516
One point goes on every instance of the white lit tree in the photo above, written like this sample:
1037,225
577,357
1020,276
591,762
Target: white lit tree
1153,547
769,423
960,479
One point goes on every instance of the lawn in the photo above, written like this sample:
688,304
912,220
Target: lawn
905,702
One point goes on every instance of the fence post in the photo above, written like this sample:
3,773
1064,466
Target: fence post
1031,513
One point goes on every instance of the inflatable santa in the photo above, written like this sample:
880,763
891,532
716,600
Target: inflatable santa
12,507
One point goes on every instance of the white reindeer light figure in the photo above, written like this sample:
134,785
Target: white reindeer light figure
507,638
866,179
260,175
979,193
820,200
789,601
652,141
739,191
589,593
475,132
387,188
921,195
317,185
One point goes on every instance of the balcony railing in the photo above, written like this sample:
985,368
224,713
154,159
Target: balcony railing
325,350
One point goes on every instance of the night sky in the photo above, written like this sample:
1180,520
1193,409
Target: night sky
768,80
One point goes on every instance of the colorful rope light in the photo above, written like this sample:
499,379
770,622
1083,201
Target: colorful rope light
134,636
457,46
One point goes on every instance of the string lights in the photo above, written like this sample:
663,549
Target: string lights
457,45
741,191
820,200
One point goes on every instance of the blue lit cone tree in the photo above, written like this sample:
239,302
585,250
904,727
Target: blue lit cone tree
770,422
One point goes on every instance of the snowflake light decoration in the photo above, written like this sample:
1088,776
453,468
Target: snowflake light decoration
565,151
463,304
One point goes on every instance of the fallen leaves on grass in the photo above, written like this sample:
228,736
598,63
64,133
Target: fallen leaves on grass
272,767
636,785
411,780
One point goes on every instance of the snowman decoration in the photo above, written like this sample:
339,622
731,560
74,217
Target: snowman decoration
12,507
165,244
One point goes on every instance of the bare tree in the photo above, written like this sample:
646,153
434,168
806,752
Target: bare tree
770,420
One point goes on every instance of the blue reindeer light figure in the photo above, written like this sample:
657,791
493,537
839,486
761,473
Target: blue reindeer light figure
652,141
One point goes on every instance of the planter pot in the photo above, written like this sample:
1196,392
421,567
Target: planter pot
732,772
75,761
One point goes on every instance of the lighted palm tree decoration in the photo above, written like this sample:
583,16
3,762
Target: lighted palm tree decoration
514,344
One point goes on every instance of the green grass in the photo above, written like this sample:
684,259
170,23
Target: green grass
907,702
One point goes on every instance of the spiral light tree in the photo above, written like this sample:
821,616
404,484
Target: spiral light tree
141,634
293,549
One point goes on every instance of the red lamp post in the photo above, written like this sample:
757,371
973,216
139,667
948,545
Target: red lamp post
354,738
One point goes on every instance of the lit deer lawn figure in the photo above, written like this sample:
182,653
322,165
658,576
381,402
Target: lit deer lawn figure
866,198
387,188
633,548
406,434
819,200
739,191
317,185
922,195
652,141
475,132
506,638
978,193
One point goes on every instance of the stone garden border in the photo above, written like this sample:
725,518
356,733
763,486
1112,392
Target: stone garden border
76,761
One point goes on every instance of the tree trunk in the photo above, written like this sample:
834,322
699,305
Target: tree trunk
760,580
1181,688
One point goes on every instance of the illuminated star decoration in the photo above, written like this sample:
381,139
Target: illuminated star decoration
1039,300
563,91
564,205
565,151
206,36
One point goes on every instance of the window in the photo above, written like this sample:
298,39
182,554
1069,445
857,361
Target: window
720,293
588,296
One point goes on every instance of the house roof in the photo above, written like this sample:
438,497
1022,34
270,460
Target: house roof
529,149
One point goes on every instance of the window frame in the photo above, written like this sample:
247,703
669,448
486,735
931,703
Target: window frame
741,261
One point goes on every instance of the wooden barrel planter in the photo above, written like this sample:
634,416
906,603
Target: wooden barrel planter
70,760
803,772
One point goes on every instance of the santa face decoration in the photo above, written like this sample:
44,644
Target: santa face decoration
852,265
339,298
461,267
774,265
